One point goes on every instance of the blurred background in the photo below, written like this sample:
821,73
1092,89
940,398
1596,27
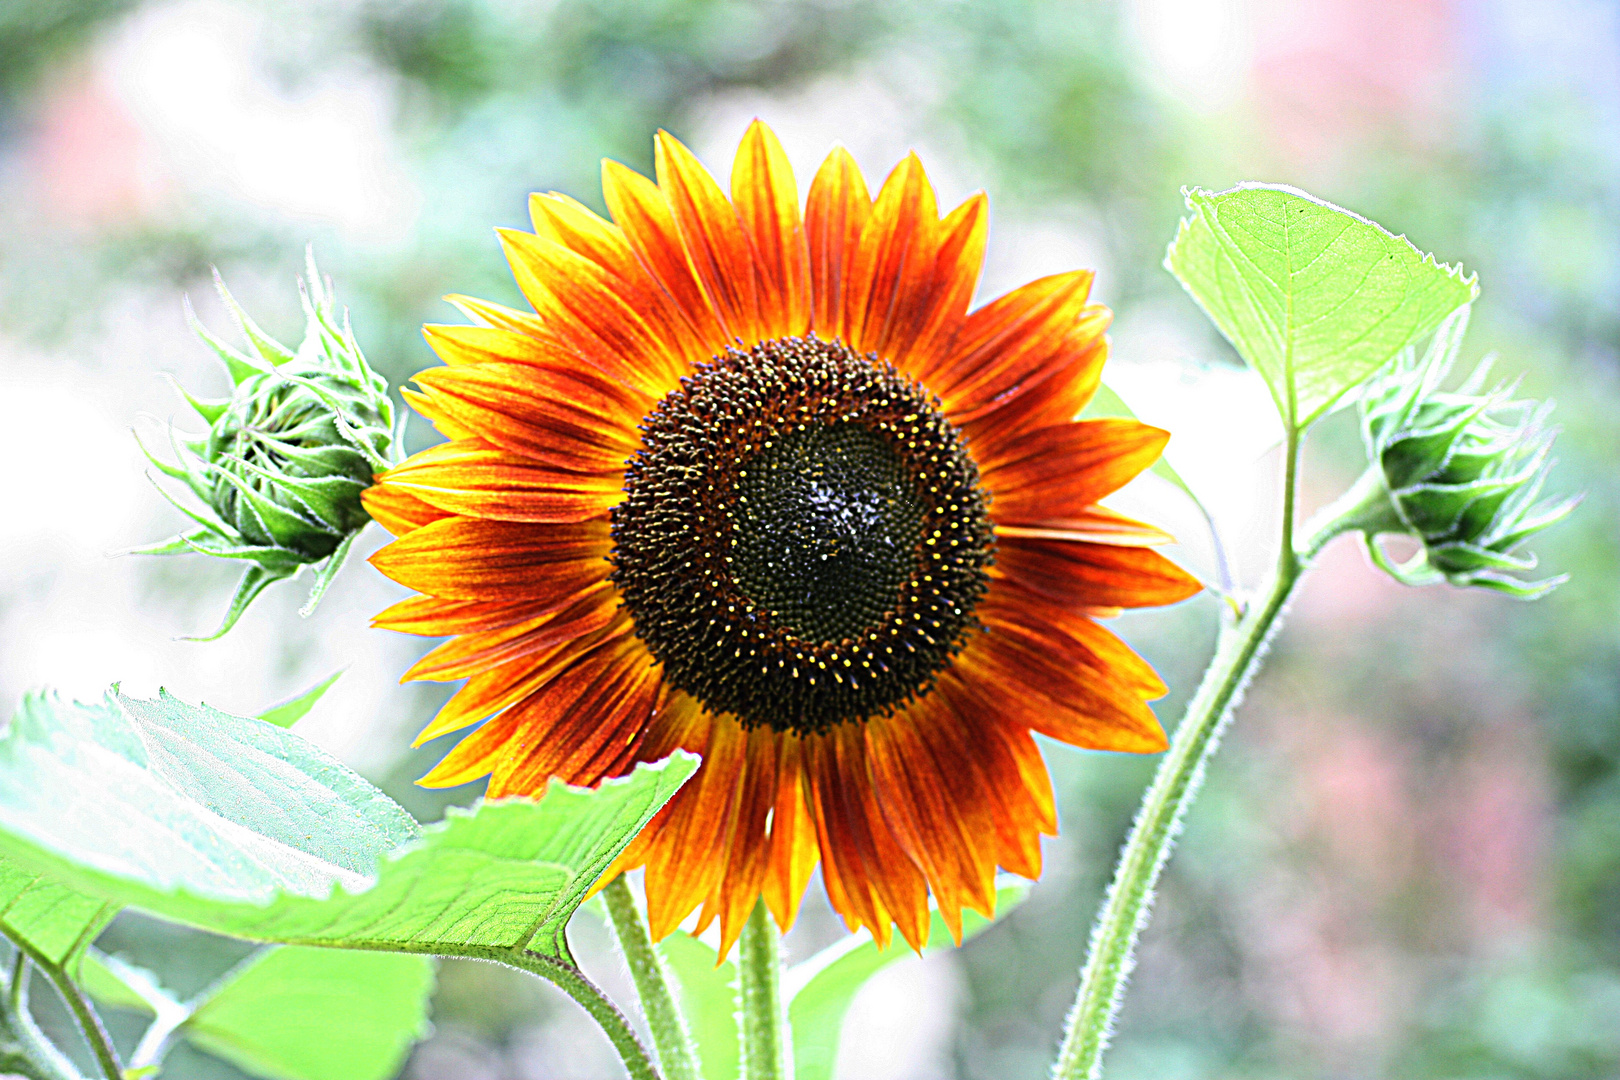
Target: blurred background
1407,860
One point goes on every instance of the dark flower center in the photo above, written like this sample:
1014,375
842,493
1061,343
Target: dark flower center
803,538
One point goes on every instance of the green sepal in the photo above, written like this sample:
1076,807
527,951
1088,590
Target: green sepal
328,571
254,582
273,351
239,366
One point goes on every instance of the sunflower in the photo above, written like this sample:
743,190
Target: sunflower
760,486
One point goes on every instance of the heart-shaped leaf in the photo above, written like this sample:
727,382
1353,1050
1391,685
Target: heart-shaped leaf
1314,297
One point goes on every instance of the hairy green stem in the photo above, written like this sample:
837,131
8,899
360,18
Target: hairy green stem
89,1022
1238,652
669,1031
765,1038
571,981
24,1049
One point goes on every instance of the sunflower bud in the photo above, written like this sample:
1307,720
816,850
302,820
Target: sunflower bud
286,456
1461,470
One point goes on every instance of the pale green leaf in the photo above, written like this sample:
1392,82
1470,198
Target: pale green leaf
823,986
288,1012
118,984
55,920
240,827
708,997
289,713
298,1013
1314,297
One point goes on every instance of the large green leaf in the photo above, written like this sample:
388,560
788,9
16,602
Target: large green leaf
55,920
1314,297
288,1012
59,922
820,989
237,826
709,1002
297,1013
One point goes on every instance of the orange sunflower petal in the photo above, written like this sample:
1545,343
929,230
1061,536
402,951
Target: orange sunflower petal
471,559
570,419
430,616
716,246
474,479
1060,470
398,511
794,853
836,212
767,202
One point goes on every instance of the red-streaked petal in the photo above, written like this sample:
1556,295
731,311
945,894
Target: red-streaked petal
1093,575
639,208
716,246
1094,525
683,862
1053,392
1019,801
767,203
579,303
472,478
497,689
566,222
836,211
931,800
472,653
1039,679
568,419
586,716
1006,338
879,880
1060,470
747,843
471,559
894,259
936,313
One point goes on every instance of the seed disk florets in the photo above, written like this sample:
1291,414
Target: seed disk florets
803,538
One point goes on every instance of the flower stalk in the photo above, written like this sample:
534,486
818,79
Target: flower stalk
1239,650
765,1038
669,1031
